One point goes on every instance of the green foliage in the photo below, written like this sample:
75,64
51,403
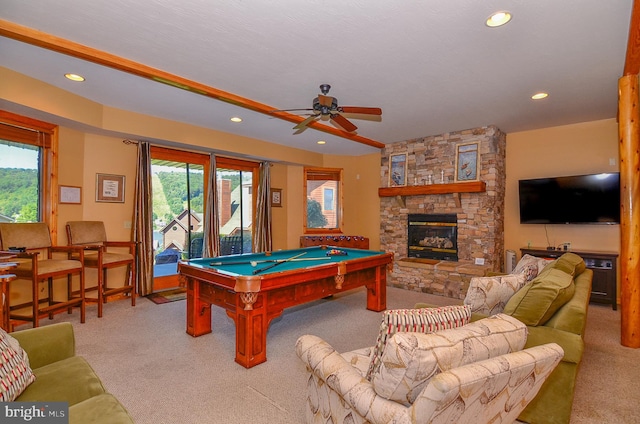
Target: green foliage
170,194
315,218
174,187
19,194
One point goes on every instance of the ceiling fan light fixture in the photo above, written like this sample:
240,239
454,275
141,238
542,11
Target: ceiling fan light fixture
498,19
74,77
539,96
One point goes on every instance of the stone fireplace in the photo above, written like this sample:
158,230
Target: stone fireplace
432,189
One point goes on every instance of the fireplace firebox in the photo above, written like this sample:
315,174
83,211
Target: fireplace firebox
433,236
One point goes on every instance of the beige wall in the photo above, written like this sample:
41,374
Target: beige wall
361,179
571,149
83,153
583,148
361,203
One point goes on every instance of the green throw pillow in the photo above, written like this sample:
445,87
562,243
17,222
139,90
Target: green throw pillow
536,302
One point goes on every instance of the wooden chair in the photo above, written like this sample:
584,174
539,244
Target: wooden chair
103,255
5,279
35,239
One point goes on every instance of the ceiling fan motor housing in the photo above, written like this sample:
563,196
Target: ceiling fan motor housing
325,110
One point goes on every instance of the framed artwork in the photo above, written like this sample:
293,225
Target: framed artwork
467,162
70,195
398,170
276,197
110,188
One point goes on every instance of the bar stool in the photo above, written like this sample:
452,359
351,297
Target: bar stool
34,239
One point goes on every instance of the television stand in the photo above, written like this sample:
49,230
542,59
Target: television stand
603,264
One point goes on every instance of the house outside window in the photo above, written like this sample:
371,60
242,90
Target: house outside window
328,199
323,202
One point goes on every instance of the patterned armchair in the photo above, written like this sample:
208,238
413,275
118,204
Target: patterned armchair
477,373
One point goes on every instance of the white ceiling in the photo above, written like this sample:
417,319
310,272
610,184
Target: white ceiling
432,66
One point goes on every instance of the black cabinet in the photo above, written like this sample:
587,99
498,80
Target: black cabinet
603,265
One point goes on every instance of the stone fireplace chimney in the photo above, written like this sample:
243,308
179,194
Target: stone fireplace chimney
480,214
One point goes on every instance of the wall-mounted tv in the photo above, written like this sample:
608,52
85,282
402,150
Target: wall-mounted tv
578,199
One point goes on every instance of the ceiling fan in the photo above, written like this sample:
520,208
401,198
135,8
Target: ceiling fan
326,108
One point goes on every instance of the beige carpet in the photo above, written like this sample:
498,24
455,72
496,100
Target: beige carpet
163,375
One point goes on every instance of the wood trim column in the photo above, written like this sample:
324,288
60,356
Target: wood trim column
629,137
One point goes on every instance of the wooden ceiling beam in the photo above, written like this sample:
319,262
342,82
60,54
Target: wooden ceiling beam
89,54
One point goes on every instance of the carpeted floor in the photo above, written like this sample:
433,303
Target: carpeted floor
162,375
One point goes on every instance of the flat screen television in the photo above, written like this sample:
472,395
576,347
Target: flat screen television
578,199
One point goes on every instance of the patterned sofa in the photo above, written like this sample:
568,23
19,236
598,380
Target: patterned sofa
474,373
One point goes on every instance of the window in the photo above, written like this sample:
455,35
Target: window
323,202
25,168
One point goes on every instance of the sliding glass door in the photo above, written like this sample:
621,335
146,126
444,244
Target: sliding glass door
237,182
179,181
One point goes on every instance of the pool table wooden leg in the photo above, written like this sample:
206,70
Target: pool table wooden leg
198,312
251,332
377,291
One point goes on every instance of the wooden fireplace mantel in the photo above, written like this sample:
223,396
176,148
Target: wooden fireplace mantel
466,187
417,190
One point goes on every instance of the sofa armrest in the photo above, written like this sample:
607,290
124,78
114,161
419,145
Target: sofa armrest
572,344
48,344
341,377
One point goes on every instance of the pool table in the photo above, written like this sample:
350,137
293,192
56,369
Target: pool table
254,288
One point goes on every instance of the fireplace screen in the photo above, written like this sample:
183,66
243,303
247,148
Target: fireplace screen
433,236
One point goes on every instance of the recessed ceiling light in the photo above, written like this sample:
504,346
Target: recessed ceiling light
74,77
236,119
498,19
322,142
539,96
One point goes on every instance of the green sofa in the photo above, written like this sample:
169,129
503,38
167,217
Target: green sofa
61,376
565,327
550,320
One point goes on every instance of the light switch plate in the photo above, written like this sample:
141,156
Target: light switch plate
479,261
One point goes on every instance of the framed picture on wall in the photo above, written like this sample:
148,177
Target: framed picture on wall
70,195
276,197
398,170
467,162
110,188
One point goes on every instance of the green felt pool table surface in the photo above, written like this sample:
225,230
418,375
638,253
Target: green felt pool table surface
253,263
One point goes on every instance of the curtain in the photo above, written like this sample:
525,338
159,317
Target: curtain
262,239
211,241
143,220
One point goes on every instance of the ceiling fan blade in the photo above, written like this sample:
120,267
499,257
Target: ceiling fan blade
343,123
287,110
325,100
362,110
303,124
